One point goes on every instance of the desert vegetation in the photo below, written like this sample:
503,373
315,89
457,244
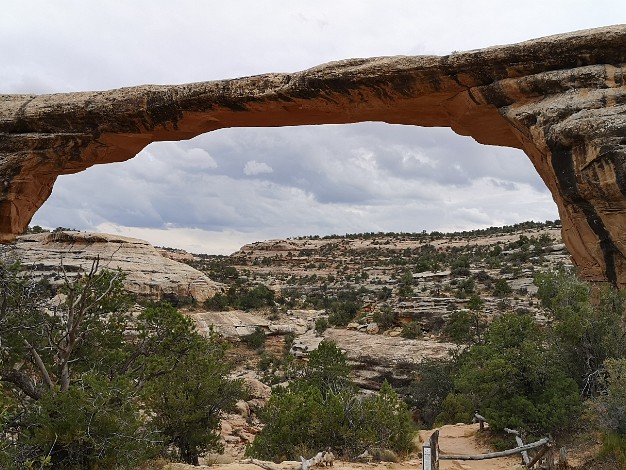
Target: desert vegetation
534,342
88,382
320,408
88,374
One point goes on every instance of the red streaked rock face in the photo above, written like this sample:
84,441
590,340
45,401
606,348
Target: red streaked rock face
561,99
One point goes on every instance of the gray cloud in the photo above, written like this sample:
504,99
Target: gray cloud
324,179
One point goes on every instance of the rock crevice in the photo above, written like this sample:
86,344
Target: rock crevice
561,99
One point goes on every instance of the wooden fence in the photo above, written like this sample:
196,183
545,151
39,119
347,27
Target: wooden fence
544,455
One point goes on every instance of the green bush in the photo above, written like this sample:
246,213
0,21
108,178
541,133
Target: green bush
259,296
267,362
610,414
256,339
586,334
77,387
459,327
405,288
383,455
90,425
434,381
483,277
411,330
327,368
186,386
321,324
288,418
465,288
456,408
241,297
613,449
515,380
218,303
383,421
385,317
342,312
475,303
501,288
384,293
288,339
321,409
614,399
302,417
462,262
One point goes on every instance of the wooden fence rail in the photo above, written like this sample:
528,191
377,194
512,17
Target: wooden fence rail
495,455
431,455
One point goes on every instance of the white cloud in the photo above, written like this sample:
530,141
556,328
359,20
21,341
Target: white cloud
253,168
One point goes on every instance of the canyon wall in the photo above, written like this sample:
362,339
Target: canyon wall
560,99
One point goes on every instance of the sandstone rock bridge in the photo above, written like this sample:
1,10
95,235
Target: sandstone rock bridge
561,99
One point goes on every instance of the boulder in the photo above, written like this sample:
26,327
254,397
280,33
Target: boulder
256,388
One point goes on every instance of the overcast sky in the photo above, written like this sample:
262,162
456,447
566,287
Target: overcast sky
220,190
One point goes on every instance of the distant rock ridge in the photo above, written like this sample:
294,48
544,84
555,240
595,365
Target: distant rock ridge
561,99
148,273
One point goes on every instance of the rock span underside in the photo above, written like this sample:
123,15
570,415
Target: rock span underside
560,99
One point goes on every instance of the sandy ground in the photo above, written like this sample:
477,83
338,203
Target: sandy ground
453,440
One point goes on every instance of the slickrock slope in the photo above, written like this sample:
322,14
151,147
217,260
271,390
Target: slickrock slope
148,273
561,99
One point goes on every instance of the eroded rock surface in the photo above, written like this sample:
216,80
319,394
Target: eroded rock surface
374,358
148,273
236,324
561,99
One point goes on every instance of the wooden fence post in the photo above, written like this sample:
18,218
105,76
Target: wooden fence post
520,443
481,419
563,465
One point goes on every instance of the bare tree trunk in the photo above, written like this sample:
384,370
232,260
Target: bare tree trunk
64,375
40,365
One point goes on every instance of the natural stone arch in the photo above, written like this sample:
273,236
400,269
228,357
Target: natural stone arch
561,99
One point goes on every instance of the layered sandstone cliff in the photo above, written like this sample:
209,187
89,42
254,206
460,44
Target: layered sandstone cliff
148,273
561,99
